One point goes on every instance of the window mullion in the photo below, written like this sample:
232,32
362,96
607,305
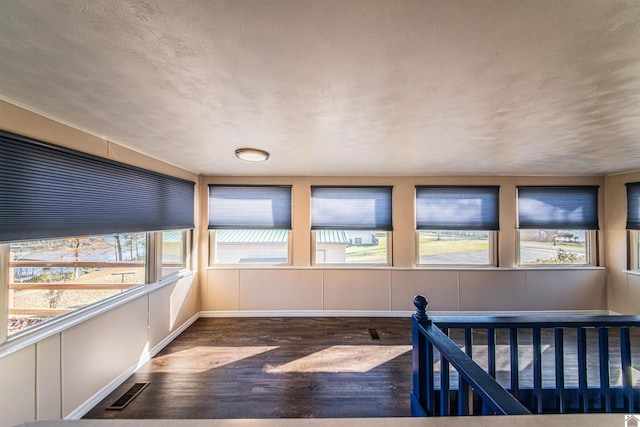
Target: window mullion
4,294
154,256
187,248
493,248
633,249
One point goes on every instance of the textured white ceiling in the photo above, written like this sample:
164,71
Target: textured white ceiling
328,87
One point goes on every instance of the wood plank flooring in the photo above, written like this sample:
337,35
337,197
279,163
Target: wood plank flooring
311,367
276,368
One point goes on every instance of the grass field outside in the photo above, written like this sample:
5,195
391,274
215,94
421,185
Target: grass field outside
428,246
368,254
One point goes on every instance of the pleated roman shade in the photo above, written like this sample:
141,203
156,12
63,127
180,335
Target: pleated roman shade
351,208
249,207
48,191
457,208
558,207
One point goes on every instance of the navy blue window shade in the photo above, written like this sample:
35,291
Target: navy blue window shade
351,208
48,191
457,208
249,207
633,206
558,207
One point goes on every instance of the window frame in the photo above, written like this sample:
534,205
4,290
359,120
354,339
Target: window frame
591,253
492,252
187,239
589,194
387,263
484,218
153,276
377,219
260,222
213,250
633,225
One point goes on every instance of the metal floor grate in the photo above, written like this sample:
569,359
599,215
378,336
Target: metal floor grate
374,334
127,397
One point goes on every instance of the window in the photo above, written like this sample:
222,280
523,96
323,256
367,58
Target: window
250,224
351,225
74,229
633,224
52,277
557,225
457,225
175,247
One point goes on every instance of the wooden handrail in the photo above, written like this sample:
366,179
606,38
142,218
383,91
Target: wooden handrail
74,264
48,312
548,321
71,286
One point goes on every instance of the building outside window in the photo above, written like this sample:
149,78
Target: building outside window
251,246
351,225
457,225
249,224
557,225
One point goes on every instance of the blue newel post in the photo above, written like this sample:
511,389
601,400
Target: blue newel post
422,362
421,307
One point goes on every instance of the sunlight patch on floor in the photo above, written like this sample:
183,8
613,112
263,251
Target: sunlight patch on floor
503,357
343,359
635,375
204,358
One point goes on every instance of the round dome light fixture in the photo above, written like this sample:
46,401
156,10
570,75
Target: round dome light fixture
252,154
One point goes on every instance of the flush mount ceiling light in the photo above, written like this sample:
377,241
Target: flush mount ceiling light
252,154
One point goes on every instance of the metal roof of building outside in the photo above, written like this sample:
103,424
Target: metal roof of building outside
251,236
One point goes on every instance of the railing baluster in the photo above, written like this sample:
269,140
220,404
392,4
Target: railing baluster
430,386
491,351
559,353
627,377
468,341
582,368
537,368
491,362
515,370
444,386
463,396
463,392
603,344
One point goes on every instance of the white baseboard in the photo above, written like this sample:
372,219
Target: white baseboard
305,313
373,313
90,403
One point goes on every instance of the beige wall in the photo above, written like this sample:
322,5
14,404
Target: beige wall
304,287
61,372
624,287
23,122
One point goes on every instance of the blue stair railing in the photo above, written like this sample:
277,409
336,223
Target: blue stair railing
478,392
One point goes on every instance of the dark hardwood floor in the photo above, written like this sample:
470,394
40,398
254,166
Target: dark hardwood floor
276,368
315,367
